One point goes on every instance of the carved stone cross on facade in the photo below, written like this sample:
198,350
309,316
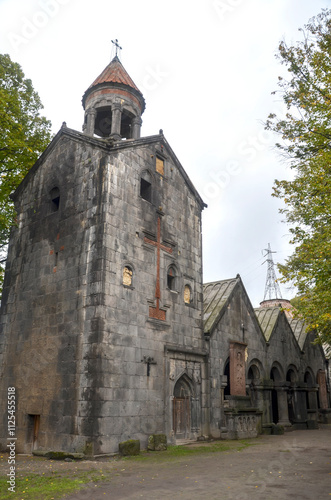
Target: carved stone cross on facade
237,369
156,312
148,361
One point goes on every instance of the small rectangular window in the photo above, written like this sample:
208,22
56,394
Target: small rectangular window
146,190
160,166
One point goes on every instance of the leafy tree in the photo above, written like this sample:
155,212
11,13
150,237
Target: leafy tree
306,144
295,302
24,134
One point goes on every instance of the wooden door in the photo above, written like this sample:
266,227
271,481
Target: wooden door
181,417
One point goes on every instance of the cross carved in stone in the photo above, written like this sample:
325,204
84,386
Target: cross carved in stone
156,312
148,361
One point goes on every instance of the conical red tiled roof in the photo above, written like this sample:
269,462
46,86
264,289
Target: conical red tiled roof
115,73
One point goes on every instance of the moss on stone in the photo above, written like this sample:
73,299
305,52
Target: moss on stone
58,455
157,442
277,430
88,449
129,447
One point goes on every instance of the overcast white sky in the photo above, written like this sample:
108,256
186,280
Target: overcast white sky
207,69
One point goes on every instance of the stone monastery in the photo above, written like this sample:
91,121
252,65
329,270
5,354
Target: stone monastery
107,330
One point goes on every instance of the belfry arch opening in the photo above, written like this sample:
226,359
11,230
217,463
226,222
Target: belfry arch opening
126,124
103,122
103,125
113,105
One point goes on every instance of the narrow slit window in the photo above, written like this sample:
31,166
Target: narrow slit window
55,199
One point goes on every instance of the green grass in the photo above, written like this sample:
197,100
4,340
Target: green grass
183,451
42,487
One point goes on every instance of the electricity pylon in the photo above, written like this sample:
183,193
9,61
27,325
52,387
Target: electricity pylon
271,285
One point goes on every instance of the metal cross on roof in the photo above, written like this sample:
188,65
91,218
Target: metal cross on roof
115,42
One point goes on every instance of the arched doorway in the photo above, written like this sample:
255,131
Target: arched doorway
182,407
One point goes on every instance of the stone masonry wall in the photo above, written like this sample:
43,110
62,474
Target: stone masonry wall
239,314
44,309
74,340
132,394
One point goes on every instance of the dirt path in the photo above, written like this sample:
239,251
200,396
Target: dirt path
294,466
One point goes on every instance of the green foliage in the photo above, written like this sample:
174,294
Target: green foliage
296,302
306,139
24,134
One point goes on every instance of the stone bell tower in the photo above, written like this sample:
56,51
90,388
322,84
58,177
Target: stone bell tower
113,104
101,311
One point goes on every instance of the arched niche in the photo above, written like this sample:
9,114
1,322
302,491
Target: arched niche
255,371
292,374
277,373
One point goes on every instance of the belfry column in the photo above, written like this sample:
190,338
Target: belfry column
136,126
116,121
90,121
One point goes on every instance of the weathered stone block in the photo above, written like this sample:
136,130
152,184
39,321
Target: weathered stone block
312,424
129,448
324,416
277,430
157,442
267,429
